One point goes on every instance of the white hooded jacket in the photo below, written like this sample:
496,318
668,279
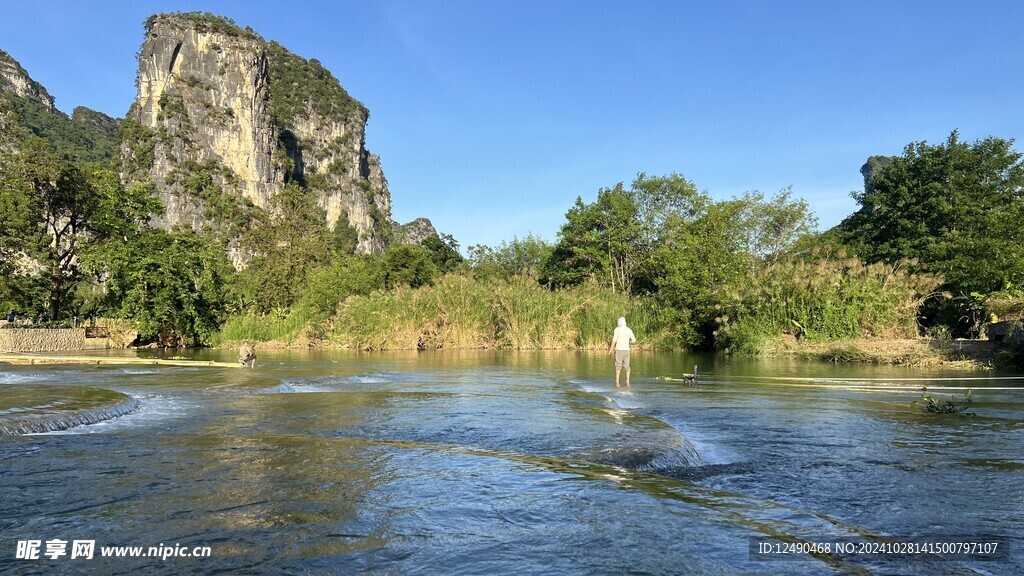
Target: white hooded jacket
623,336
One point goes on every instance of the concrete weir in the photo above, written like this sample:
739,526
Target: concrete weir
66,420
30,359
36,408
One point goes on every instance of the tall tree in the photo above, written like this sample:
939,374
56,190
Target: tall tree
599,241
772,227
525,255
444,252
52,207
288,248
171,284
613,240
408,265
956,207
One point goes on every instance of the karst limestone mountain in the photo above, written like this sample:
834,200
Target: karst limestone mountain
223,121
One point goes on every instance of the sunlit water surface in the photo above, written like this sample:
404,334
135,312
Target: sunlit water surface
501,463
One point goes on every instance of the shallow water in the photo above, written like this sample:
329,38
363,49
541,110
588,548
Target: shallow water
490,462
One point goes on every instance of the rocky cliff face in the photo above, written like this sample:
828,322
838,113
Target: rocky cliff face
414,232
16,84
874,165
224,120
14,78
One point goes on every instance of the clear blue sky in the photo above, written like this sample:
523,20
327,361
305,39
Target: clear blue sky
492,117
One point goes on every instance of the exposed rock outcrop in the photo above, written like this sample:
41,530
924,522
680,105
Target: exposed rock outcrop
223,121
15,79
222,114
414,232
873,166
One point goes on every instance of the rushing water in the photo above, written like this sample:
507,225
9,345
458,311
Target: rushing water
502,463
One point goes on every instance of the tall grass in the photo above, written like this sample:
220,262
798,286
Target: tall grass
821,300
283,326
465,312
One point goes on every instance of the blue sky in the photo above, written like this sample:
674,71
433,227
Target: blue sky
492,117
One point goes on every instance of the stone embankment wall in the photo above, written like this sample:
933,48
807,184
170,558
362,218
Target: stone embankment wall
48,340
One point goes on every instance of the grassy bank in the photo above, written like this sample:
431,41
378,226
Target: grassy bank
287,328
970,354
462,312
823,301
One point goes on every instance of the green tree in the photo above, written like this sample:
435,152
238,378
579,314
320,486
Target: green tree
444,252
346,275
522,256
20,234
700,257
171,284
288,248
52,204
121,212
598,242
407,265
662,236
613,240
772,227
956,207
50,211
345,238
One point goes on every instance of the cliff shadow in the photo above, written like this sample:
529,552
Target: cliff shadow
293,148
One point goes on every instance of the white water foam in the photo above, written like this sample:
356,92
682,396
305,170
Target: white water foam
155,409
367,379
627,400
334,383
601,390
709,451
685,456
68,419
697,449
321,384
17,378
140,371
278,389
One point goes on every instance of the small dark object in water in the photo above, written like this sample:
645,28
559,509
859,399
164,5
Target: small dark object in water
688,378
691,378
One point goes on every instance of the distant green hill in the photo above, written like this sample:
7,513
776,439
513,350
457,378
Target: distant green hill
86,136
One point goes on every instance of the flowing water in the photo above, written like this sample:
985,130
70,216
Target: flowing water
501,463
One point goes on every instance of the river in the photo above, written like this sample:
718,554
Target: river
501,462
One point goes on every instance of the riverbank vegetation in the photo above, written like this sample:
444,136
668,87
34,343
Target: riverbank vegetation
936,249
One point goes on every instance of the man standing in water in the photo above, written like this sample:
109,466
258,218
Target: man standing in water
621,339
247,355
